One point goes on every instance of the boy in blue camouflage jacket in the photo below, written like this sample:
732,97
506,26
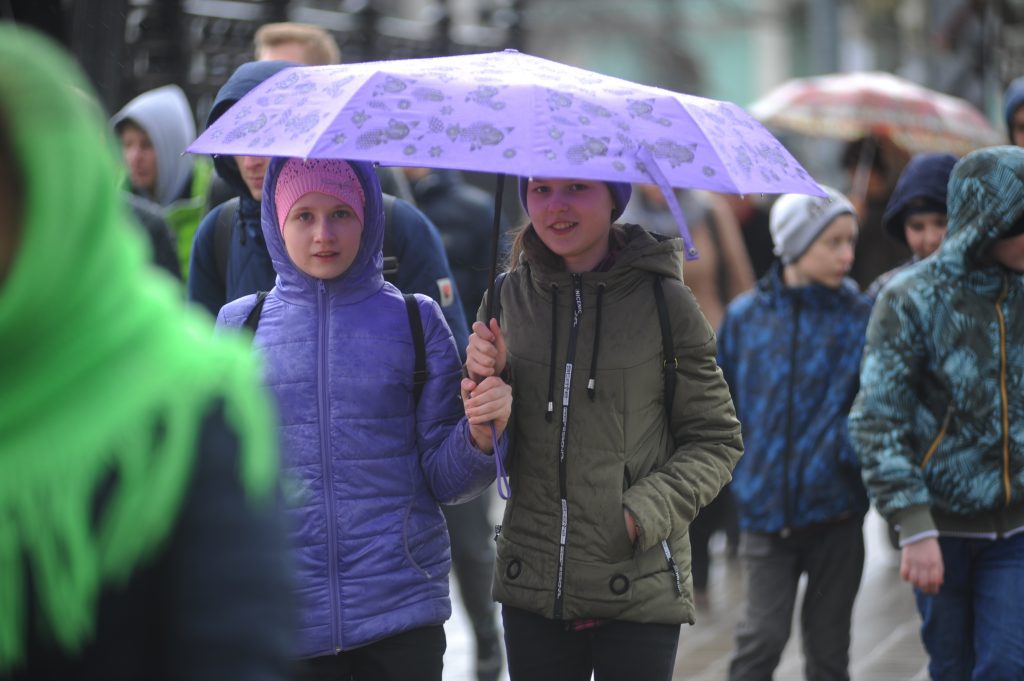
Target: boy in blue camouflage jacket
790,350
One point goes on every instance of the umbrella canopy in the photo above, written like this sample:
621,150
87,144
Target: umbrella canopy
853,105
509,113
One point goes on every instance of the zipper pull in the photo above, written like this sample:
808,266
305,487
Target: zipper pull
672,566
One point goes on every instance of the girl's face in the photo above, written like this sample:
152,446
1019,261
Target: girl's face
925,232
572,218
321,235
829,258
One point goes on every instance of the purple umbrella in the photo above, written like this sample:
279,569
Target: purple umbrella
509,113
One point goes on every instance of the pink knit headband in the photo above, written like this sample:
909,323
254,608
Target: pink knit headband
327,176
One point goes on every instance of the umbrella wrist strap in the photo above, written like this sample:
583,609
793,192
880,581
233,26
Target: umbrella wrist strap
650,166
504,490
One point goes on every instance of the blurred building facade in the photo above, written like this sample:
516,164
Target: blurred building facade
727,49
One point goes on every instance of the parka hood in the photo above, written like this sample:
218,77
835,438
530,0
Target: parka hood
245,78
363,278
166,117
636,249
986,198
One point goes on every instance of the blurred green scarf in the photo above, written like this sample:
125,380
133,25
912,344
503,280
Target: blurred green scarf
102,369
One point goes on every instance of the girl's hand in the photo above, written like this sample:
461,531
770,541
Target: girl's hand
485,354
484,403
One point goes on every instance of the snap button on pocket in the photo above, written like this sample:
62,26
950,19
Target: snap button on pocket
513,569
619,584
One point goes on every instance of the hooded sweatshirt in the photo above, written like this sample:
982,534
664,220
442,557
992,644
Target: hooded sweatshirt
579,458
107,382
181,179
939,420
366,464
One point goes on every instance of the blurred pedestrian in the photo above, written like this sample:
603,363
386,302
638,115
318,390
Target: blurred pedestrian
464,215
1013,101
593,552
790,351
371,448
916,213
939,423
140,536
154,129
230,257
873,163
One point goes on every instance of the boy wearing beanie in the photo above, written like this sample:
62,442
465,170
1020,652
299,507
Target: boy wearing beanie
790,351
939,423
916,214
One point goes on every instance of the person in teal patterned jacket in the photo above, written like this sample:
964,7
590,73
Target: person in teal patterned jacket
939,423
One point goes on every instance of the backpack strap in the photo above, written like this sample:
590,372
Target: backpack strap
252,320
390,259
669,361
223,229
419,374
498,281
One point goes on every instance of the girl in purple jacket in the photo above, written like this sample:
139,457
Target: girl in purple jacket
366,462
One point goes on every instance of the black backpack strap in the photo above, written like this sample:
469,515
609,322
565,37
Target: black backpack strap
252,320
419,374
669,361
390,259
223,229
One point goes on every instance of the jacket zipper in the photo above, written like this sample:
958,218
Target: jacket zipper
577,282
938,438
1002,390
325,460
787,510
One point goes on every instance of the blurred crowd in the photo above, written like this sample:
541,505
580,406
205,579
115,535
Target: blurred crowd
285,497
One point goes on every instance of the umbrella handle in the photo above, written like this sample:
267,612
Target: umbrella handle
501,477
653,170
499,191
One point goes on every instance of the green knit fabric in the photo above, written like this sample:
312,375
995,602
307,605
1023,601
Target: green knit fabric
102,369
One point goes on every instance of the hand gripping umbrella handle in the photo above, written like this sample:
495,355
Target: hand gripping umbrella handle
653,170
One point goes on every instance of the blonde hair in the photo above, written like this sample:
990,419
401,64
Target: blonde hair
319,46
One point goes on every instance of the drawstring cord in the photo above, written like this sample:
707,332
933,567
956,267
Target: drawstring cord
549,414
592,382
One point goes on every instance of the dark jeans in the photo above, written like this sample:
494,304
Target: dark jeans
832,556
540,649
973,628
416,654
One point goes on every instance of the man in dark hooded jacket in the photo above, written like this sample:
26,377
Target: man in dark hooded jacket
244,267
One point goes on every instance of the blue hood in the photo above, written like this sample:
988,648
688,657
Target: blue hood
364,278
925,177
245,78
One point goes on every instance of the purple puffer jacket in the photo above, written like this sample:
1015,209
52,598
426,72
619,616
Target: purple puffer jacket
365,468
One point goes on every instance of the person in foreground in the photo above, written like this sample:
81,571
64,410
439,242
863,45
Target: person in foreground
368,457
939,423
593,554
140,534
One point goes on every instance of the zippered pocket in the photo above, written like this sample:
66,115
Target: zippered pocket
938,438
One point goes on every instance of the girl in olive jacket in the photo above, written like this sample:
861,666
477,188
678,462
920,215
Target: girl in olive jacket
608,468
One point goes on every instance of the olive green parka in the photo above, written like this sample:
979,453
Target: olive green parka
563,549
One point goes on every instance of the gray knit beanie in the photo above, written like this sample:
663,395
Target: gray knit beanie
796,220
